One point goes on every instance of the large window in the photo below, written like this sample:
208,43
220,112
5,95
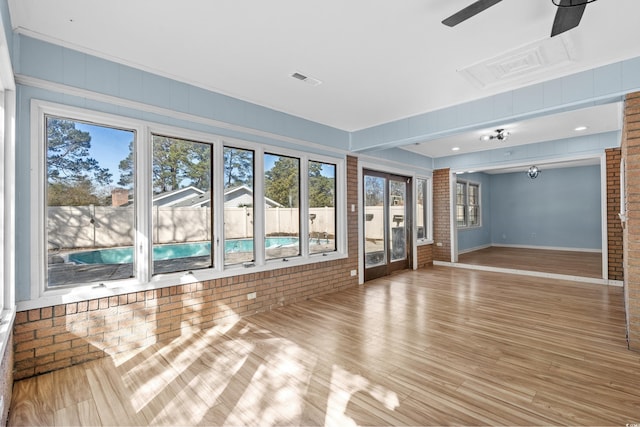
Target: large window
282,206
423,194
127,203
238,206
467,204
322,207
181,218
89,205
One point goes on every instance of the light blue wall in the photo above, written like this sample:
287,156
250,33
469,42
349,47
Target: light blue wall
561,208
56,74
477,237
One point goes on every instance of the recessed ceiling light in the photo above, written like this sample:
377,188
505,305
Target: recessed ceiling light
580,128
455,149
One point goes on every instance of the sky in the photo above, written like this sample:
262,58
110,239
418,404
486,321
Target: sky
109,146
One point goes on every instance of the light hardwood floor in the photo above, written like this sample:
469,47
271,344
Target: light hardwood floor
429,347
581,264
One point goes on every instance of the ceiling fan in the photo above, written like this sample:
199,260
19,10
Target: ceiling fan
567,17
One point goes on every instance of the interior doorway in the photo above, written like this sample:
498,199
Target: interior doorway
387,223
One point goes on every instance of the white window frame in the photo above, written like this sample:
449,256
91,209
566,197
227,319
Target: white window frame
41,296
467,205
428,210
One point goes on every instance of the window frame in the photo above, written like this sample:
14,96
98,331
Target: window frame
145,279
427,209
467,205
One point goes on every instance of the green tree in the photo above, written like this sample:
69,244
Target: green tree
238,167
68,159
80,193
282,182
126,168
321,188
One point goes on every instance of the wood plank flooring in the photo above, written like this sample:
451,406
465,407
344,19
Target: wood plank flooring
581,264
438,346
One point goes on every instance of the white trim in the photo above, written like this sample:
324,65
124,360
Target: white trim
453,223
477,248
144,107
555,276
603,216
548,248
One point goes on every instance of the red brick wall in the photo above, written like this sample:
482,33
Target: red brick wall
425,256
614,227
631,233
441,215
51,338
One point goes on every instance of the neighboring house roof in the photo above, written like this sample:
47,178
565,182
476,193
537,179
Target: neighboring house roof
177,197
233,197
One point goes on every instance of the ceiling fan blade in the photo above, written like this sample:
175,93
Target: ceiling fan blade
567,17
469,11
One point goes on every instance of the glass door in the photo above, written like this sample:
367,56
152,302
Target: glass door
386,223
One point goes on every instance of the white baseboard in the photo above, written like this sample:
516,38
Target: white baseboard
548,248
555,276
477,248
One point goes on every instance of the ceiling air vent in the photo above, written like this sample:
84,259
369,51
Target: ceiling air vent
307,79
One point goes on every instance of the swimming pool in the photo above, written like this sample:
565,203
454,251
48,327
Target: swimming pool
173,251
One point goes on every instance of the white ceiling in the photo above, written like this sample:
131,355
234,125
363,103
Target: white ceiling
378,60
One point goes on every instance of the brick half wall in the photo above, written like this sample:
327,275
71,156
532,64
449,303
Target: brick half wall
56,337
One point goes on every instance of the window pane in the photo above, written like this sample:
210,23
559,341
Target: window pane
374,233
322,212
282,206
421,203
460,193
238,206
461,218
397,215
474,217
90,215
473,194
181,205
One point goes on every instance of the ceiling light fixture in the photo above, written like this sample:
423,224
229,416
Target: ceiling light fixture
455,149
533,172
572,3
580,128
501,135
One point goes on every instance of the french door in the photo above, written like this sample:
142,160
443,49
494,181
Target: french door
387,223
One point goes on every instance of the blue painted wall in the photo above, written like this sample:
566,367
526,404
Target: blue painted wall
561,208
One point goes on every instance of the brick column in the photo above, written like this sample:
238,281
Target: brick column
631,233
441,215
614,227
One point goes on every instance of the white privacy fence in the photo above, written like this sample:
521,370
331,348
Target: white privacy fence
106,226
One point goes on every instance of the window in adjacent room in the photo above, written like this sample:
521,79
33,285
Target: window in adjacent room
467,204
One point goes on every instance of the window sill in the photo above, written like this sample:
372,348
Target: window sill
94,291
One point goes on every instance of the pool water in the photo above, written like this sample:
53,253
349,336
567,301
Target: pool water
173,251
